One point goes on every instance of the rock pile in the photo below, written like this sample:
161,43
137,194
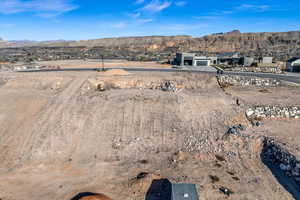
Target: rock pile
198,143
168,86
261,112
235,130
103,85
6,67
276,155
247,81
275,70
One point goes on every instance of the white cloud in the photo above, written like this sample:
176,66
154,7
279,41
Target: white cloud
156,6
144,21
180,3
139,1
259,8
45,8
242,8
134,15
119,25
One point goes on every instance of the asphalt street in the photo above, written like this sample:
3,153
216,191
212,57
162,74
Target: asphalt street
290,77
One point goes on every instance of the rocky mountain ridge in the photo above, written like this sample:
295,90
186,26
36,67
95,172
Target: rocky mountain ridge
281,45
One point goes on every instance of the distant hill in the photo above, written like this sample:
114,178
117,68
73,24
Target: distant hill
3,43
277,44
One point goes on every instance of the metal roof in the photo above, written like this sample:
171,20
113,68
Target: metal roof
184,191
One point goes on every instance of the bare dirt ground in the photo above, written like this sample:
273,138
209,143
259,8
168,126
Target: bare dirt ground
63,133
98,63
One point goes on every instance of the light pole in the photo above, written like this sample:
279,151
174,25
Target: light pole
102,62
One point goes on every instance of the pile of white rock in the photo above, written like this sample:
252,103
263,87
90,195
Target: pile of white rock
6,68
262,112
275,70
168,86
247,81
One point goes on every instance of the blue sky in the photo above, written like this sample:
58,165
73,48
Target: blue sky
88,19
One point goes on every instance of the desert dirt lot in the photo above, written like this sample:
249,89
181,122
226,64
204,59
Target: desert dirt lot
63,133
98,63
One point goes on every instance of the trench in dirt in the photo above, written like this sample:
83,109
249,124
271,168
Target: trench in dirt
283,165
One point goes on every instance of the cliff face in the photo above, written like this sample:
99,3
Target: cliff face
280,45
272,44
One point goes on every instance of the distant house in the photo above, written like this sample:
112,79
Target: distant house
293,64
247,61
201,61
184,191
265,60
228,59
235,59
191,59
184,59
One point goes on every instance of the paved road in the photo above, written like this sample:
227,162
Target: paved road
290,77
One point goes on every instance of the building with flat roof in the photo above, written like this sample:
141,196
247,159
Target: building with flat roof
228,59
191,59
265,60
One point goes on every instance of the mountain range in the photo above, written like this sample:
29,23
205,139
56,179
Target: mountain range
277,44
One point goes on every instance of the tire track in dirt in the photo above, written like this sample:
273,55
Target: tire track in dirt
50,122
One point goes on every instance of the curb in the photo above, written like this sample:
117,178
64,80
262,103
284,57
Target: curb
218,68
290,83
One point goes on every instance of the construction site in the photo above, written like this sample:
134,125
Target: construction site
130,135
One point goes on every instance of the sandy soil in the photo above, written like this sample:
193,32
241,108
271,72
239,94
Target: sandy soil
60,136
98,63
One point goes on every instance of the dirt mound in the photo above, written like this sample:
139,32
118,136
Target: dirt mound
175,83
115,72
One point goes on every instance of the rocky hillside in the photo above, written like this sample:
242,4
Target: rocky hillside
281,45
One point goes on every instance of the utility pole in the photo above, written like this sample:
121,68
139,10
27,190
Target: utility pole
102,62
